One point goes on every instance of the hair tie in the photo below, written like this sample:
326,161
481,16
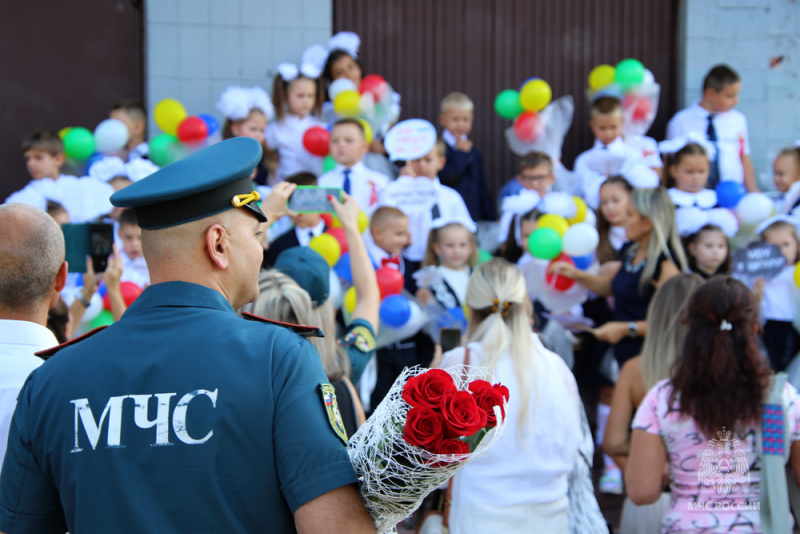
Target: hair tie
495,304
506,306
725,326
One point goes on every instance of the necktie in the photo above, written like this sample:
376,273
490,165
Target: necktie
310,235
346,185
435,213
713,171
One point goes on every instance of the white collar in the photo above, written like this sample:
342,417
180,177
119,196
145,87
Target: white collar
791,196
357,167
449,138
303,233
701,111
705,199
376,253
38,337
616,144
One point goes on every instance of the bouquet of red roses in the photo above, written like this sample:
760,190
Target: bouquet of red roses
431,423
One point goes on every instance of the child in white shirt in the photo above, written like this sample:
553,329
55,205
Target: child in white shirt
786,169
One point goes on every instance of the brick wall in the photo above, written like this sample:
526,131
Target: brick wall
748,34
197,48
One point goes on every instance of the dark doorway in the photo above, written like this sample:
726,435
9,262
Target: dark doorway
64,64
427,49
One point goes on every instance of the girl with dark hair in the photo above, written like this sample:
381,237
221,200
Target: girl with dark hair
702,422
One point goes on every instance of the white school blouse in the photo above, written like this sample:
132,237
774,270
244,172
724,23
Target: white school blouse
366,185
286,137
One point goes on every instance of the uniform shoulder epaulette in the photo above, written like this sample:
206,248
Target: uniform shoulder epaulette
300,329
47,353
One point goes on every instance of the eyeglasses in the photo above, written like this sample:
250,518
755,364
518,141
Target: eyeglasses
533,178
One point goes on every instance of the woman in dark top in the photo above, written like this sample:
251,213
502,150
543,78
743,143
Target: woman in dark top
652,255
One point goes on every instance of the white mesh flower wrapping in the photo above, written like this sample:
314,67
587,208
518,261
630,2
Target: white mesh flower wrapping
236,102
391,491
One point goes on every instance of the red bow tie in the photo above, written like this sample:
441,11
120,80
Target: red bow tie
388,261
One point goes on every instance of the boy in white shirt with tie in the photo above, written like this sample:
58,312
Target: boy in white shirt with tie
726,128
348,146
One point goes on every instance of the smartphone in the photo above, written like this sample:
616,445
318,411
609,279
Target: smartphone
88,239
449,339
313,199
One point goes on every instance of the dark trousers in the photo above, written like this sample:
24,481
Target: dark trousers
782,343
394,359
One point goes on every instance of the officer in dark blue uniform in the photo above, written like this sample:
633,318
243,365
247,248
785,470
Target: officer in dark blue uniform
183,416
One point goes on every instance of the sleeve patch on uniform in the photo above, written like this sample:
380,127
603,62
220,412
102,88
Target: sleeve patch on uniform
361,338
332,410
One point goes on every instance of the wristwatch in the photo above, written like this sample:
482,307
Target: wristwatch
632,330
80,298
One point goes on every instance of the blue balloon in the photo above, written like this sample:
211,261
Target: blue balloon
211,122
395,311
583,262
102,290
342,268
94,158
729,194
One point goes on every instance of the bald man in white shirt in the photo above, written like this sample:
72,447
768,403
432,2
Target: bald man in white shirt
34,272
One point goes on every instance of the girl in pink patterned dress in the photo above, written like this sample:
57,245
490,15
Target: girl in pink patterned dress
702,423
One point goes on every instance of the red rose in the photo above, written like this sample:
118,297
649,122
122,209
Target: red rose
450,446
487,397
427,389
424,428
462,417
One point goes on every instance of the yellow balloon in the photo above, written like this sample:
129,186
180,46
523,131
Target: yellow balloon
580,213
350,300
367,130
346,103
535,95
600,76
62,133
363,221
797,274
168,114
553,221
328,247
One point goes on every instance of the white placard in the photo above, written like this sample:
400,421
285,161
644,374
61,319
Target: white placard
410,139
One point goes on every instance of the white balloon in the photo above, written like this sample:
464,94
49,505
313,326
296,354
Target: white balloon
338,86
581,239
648,79
110,135
754,208
388,335
335,293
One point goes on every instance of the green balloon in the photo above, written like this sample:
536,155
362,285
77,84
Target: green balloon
328,164
104,318
79,143
507,104
544,243
629,73
163,149
484,256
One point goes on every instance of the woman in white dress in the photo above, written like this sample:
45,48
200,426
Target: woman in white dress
519,484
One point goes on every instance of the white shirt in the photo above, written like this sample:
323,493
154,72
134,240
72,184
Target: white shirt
732,139
617,237
304,234
705,199
779,294
19,340
85,199
647,147
450,138
286,137
457,279
377,255
134,270
530,464
590,179
416,197
365,184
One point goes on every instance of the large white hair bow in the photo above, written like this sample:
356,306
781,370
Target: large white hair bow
347,41
690,220
514,207
673,146
236,102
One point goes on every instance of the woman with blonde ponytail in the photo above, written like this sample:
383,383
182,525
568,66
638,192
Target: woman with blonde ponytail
520,483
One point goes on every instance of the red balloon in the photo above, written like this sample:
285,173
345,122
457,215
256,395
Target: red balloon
328,218
338,233
375,84
192,129
528,126
390,281
317,140
130,292
556,281
642,110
